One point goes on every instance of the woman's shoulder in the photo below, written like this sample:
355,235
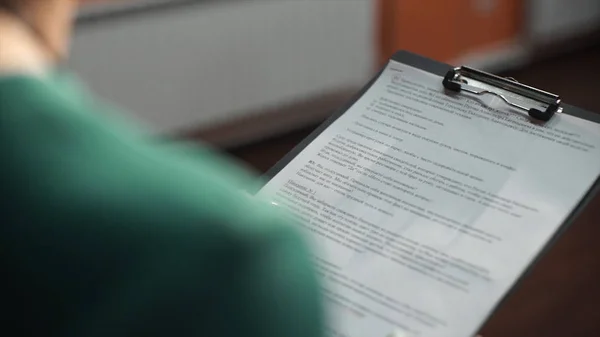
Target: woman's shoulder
49,92
67,150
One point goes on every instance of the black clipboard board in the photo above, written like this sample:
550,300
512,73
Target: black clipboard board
444,70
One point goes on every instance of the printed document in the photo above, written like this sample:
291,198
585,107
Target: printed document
423,208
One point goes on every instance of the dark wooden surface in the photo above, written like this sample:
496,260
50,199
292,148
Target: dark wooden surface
561,296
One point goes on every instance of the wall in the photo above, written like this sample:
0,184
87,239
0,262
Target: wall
552,20
206,64
448,30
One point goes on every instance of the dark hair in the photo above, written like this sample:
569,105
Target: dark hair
10,5
14,7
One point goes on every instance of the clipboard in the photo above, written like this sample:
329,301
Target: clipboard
453,80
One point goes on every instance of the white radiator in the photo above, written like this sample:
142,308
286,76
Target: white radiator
205,64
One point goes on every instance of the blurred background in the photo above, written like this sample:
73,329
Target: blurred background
255,77
203,66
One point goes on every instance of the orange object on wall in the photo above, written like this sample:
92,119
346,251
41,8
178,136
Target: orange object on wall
443,29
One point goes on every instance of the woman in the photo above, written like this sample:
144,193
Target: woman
106,233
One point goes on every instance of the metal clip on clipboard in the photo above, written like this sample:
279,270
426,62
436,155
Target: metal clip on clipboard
456,78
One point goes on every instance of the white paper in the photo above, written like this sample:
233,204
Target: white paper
424,208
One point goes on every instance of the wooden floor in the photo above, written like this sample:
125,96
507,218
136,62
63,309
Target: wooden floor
561,295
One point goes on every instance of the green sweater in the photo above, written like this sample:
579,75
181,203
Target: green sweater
106,232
